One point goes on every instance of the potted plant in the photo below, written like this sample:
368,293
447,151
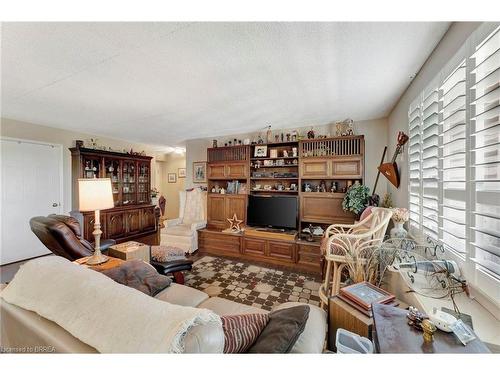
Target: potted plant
154,196
399,217
356,199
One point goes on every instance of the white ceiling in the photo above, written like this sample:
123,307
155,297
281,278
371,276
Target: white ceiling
163,83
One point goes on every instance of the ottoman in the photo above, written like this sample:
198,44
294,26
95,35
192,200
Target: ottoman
170,260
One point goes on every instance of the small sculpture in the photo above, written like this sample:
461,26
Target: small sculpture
269,135
429,329
235,224
310,134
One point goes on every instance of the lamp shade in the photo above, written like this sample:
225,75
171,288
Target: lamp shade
95,194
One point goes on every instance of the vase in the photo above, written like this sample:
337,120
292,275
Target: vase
398,231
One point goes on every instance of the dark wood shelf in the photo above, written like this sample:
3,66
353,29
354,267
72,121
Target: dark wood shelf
274,191
277,144
277,166
274,178
283,157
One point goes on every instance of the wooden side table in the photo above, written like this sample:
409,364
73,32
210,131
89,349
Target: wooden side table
111,263
343,315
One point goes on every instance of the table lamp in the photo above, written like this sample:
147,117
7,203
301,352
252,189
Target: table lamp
95,195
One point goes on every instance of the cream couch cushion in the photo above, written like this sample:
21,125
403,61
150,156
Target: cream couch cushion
179,230
182,295
222,306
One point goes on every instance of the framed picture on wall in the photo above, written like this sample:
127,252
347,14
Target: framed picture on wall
199,171
172,177
181,172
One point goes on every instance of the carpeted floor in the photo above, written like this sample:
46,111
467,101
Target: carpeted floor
252,285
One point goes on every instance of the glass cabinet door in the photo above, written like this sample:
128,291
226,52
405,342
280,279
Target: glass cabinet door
129,183
112,171
143,178
91,166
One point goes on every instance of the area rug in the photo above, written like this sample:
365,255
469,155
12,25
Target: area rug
251,285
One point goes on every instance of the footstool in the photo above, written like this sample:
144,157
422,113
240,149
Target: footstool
175,267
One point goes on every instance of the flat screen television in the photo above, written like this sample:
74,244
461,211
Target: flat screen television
272,211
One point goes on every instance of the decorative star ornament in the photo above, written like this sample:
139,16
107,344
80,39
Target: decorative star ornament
235,224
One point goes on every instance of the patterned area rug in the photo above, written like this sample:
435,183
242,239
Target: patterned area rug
251,285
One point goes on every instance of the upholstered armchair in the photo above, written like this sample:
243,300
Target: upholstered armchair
183,231
62,235
351,247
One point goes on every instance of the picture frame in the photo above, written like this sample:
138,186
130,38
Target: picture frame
181,172
199,171
260,151
365,294
172,178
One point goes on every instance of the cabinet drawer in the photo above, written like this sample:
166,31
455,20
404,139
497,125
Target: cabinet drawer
314,168
236,170
347,168
309,249
281,250
254,246
115,225
323,208
219,243
216,171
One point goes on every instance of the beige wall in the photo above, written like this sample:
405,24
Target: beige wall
22,130
375,132
171,164
398,118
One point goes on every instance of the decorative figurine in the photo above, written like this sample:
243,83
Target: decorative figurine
235,224
276,138
295,135
214,143
429,328
260,140
282,137
322,185
310,134
285,153
269,135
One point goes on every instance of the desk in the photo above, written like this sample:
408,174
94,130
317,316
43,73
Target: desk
394,335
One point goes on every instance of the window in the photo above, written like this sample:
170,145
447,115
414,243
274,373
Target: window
454,160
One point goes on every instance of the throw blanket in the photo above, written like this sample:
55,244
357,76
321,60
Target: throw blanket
139,275
108,316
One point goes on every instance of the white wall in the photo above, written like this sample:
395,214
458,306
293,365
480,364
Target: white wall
398,118
375,132
23,130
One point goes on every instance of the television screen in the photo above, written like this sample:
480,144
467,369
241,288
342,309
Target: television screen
272,211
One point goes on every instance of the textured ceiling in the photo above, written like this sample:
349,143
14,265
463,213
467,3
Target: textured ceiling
163,83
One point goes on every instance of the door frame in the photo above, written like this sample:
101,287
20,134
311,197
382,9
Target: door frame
58,146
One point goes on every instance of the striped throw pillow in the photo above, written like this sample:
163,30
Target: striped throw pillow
241,331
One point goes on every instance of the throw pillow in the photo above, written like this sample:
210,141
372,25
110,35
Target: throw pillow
241,331
139,275
282,331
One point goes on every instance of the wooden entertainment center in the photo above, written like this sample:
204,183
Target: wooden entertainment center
133,217
316,171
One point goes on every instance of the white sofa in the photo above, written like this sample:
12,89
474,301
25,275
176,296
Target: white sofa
21,328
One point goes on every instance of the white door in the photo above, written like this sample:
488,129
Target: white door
31,185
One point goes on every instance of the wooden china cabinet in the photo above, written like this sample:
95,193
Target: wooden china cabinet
133,217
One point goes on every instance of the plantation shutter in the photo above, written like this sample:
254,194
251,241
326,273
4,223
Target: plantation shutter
485,158
414,160
454,160
430,162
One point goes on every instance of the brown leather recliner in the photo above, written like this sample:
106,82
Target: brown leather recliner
62,235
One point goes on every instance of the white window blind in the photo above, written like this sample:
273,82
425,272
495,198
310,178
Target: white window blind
485,158
454,160
415,171
430,161
454,154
